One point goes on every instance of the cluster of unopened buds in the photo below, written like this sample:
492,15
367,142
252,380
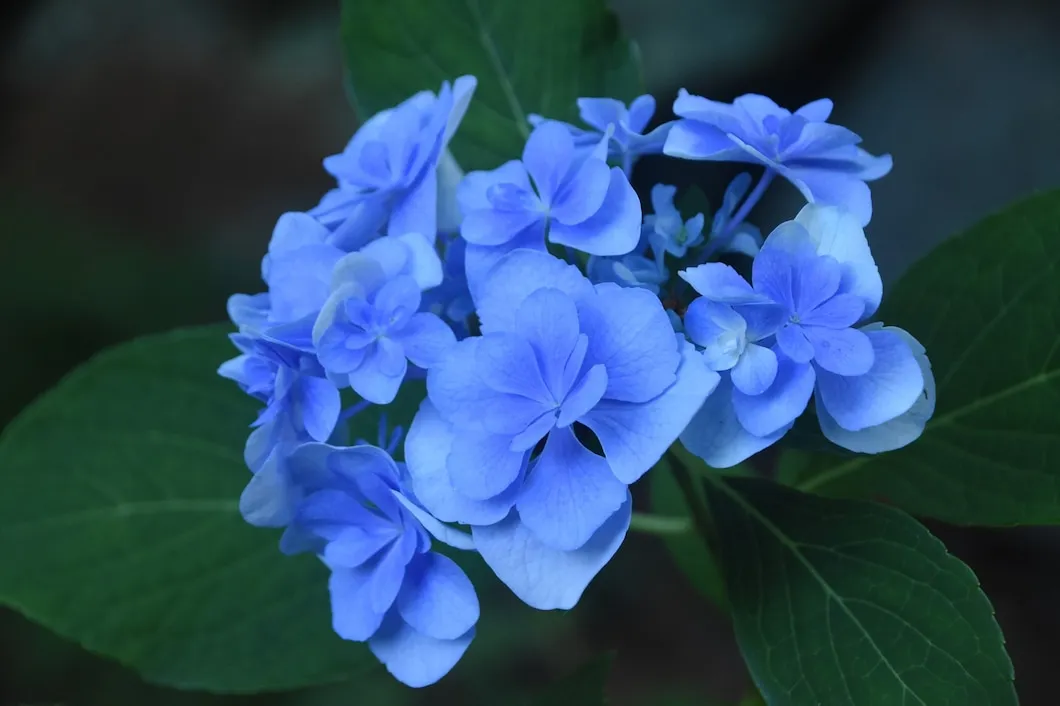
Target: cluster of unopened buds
567,340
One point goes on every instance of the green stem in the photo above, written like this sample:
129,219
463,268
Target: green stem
700,514
659,524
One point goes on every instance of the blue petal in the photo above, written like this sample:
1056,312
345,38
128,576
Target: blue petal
841,351
886,391
417,210
615,227
896,433
816,281
635,436
585,395
756,370
427,446
792,340
375,380
319,404
387,575
269,499
716,435
354,546
630,334
838,234
425,339
548,319
415,659
480,260
398,299
600,112
294,230
299,281
828,187
482,465
507,363
497,227
352,616
569,493
437,599
583,193
773,274
781,404
443,533
547,156
516,276
721,283
816,111
543,577
841,311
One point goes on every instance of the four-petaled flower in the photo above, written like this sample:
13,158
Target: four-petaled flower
371,326
576,198
415,608
790,332
499,442
821,159
667,231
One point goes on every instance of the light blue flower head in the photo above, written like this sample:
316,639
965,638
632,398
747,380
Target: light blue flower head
791,334
576,199
821,159
415,608
497,443
387,175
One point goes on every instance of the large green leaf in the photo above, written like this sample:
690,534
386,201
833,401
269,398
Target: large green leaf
529,57
987,307
119,527
849,603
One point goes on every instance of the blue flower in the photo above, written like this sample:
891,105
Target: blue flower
300,403
415,608
498,444
387,173
667,231
791,333
628,141
579,201
822,160
371,326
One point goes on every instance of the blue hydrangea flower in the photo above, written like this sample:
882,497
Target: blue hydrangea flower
576,198
791,332
727,235
821,159
415,608
300,403
496,445
387,173
627,124
371,326
667,231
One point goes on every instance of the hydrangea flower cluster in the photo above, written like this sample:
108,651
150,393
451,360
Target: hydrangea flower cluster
566,338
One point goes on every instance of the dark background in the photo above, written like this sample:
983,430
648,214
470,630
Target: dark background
147,147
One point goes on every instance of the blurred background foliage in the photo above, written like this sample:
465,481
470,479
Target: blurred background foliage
147,148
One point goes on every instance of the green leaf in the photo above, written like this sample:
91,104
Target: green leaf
528,57
120,527
689,551
986,305
583,687
849,603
